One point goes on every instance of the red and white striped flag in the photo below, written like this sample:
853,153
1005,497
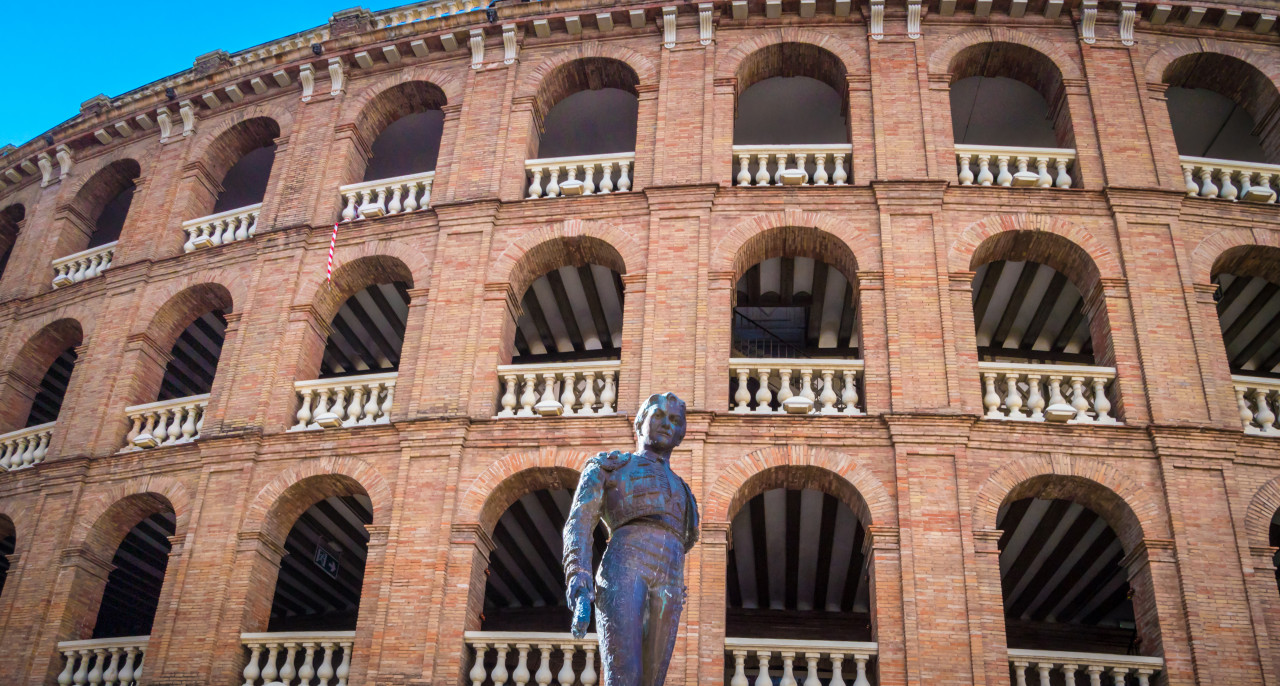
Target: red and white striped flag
333,240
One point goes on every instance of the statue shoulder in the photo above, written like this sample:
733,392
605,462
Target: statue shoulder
610,461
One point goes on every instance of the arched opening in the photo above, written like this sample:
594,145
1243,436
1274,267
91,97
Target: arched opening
1221,107
797,571
41,373
1273,539
795,95
367,332
1037,305
566,338
322,571
11,219
241,159
104,203
194,357
1248,303
1008,113
584,108
132,592
8,544
401,128
796,333
53,388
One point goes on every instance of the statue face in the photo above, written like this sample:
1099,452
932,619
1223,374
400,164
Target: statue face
663,427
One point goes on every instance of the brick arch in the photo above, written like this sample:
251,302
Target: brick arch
729,254
572,241
729,66
357,267
82,175
533,81
93,191
1117,498
181,302
1097,261
1158,64
107,517
1257,519
942,59
508,478
278,505
29,362
212,132
767,468
448,82
1209,256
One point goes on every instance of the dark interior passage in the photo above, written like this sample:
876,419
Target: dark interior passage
53,388
322,571
195,357
368,332
132,592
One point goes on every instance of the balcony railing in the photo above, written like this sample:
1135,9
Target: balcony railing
25,447
814,386
1074,394
1000,165
1229,180
1259,403
346,401
553,177
224,227
298,658
373,199
1044,664
792,165
108,661
568,389
819,657
532,656
168,422
85,264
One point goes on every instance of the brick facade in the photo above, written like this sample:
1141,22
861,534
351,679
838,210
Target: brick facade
1189,494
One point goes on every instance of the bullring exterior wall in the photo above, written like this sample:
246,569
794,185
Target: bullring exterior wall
931,470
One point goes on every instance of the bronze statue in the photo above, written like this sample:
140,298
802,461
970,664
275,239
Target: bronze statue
653,521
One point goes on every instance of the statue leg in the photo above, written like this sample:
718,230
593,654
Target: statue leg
620,599
665,603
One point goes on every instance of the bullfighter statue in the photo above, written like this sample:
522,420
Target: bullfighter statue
653,521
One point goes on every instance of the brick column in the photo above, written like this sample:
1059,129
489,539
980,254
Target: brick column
967,376
468,558
369,628
883,554
647,148
79,580
632,345
711,594
723,100
718,333
412,379
219,393
1089,170
165,624
1154,577
250,588
1264,608
986,616
496,346
522,143
1115,344
873,341
1126,152
1159,128
1215,372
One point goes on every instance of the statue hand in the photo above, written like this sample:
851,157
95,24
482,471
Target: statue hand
581,594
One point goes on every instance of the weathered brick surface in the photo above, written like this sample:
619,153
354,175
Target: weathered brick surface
1190,496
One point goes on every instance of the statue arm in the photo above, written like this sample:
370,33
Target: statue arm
583,516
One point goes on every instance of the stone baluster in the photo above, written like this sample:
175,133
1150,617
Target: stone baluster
548,405
763,394
521,675
1095,674
81,676
1207,189
588,677
381,202
1189,181
508,396
411,197
566,675
742,396
782,158
242,229
608,395
1264,417
1020,672
228,229
1078,401
1228,190
1044,180
1069,674
543,675
1044,668
131,670
739,668
304,411
1063,179
189,432
1118,675
82,266
287,670
397,203
553,186
384,412
762,668
806,387
161,433
356,406
985,178
1012,397
535,184
744,173
606,176
966,174
325,672
251,671
478,673
1004,178
800,164
1101,406
572,170
1035,401
837,670
849,393
588,180
344,669
64,678
991,400
820,169
96,674
840,176
588,398
529,398
370,410
811,669
624,181
828,396
6,455
1144,676
568,394
788,669
269,672
762,171
784,388
426,193
307,670
861,677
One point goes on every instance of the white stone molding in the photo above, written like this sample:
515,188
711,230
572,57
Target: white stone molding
604,21
307,76
1160,14
669,27
830,163
344,402
165,423
103,136
363,59
1116,667
477,48
831,655
1074,394
706,26
211,100
1053,9
564,389
914,10
187,110
419,48
449,41
1194,16
383,197
573,25
987,165
123,129
25,447
46,168
337,77
740,10
877,19
165,119
85,264
113,661
325,655
1259,403
224,227
510,44
796,386
1088,20
144,120
1206,177
541,28
544,645
282,77
772,9
553,177
234,93
637,18
391,54
1128,18
1265,23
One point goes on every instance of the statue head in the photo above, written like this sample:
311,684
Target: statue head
660,423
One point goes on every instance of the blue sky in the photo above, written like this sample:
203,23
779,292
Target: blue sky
57,56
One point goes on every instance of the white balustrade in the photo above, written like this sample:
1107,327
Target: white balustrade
815,386
564,389
1039,667
533,656
25,447
553,177
346,401
1258,400
298,658
224,227
384,197
103,661
998,165
424,10
792,165
168,422
845,661
85,264
1205,177
1074,394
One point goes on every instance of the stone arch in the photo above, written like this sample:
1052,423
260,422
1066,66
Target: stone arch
537,252
1257,519
1119,499
765,468
729,256
30,361
942,59
508,478
108,516
278,505
358,266
728,66
1209,253
533,82
1097,261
